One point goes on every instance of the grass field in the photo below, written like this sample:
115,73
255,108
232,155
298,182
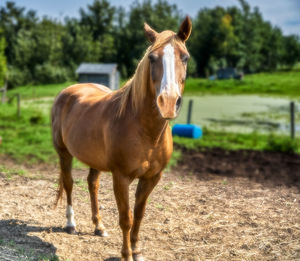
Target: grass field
38,91
241,141
29,138
284,84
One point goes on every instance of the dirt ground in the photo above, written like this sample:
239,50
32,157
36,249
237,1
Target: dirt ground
215,205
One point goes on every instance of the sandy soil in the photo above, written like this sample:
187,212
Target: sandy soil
194,213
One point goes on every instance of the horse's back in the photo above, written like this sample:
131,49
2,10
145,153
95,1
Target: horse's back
86,90
71,103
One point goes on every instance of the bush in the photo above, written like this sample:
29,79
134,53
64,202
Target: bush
47,73
192,67
16,77
282,144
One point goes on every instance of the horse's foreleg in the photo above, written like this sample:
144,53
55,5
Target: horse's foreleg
144,188
121,187
93,182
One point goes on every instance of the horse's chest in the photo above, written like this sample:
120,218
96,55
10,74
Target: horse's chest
152,163
148,169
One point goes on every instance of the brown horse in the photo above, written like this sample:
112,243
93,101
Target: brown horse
125,131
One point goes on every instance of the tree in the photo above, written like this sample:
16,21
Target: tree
2,59
12,20
98,18
160,16
291,50
78,45
45,50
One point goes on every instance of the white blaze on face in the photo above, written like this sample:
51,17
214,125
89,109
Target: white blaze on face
168,82
70,217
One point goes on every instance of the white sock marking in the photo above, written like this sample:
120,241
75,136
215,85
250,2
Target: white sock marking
168,82
70,217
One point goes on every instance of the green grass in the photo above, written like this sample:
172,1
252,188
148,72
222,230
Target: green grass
38,91
285,84
241,141
26,138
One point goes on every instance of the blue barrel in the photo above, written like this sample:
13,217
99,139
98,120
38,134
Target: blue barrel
187,130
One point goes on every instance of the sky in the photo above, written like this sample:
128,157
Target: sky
283,13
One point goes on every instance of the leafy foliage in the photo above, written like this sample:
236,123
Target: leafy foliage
39,50
239,37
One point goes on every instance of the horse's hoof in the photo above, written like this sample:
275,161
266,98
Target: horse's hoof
138,257
101,233
126,259
70,230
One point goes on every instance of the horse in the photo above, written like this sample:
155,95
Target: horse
125,131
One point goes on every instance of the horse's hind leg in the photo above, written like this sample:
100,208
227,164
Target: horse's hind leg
93,181
66,180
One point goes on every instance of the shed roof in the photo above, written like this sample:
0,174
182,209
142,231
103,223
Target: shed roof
95,68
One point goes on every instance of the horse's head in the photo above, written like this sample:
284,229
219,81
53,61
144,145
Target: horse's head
168,58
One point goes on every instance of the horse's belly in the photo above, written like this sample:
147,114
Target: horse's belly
94,161
88,150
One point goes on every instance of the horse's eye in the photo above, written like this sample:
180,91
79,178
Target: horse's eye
185,58
152,57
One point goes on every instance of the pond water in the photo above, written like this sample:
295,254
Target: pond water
239,113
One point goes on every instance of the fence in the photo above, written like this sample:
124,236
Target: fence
241,113
3,91
16,96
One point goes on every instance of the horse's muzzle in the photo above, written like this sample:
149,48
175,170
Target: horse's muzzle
168,105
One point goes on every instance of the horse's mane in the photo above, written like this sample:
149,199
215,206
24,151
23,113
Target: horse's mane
134,90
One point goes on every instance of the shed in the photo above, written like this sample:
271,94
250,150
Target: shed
101,73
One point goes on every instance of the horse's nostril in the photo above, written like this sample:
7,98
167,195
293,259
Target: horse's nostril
161,100
178,103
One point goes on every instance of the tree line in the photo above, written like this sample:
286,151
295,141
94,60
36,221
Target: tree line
46,50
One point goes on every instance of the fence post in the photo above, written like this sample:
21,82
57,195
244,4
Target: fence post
4,93
189,116
292,116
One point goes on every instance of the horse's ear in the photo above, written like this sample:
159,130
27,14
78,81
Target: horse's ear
150,33
185,29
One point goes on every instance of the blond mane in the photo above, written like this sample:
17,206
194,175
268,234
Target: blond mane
134,90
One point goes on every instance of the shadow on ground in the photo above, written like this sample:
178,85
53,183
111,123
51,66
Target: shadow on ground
16,244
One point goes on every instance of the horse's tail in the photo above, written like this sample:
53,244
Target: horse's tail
60,190
65,158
